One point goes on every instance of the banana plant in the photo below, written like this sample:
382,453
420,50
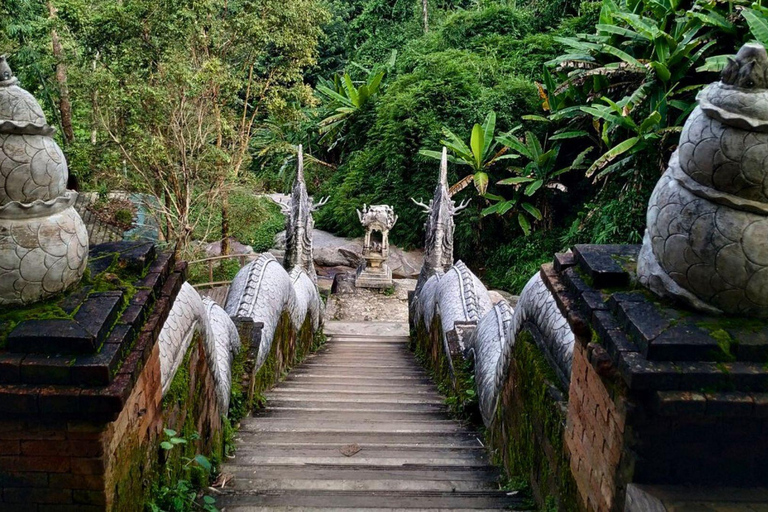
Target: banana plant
756,17
481,153
539,173
631,83
345,99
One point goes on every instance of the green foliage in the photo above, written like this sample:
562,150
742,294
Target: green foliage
480,155
450,87
182,495
633,80
345,100
512,263
253,220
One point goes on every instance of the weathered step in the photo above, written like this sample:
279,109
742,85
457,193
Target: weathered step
252,508
352,380
344,402
361,414
360,372
360,437
413,472
331,360
257,481
364,343
346,426
359,459
364,390
370,499
427,392
383,454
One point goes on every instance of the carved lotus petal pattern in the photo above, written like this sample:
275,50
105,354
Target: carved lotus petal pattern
32,167
18,105
41,256
706,241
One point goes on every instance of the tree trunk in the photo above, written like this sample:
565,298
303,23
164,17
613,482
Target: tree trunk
425,11
65,106
224,225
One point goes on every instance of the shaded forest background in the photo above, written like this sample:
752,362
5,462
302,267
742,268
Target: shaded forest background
560,115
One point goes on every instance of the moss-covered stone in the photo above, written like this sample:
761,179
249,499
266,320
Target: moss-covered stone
528,432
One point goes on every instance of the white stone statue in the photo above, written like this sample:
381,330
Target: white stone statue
43,241
706,242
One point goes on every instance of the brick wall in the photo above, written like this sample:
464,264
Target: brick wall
594,435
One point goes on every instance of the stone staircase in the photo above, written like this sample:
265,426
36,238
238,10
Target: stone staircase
360,426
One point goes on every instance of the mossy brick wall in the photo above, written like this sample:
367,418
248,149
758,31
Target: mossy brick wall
527,433
527,437
61,465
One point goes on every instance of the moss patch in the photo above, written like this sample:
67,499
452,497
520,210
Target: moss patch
528,432
115,277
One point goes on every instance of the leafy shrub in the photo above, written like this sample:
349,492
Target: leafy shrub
253,220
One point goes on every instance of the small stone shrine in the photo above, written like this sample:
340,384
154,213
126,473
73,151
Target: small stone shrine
374,272
43,241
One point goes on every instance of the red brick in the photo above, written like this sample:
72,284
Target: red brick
89,497
83,466
50,464
69,508
9,447
35,495
11,479
71,448
79,482
33,434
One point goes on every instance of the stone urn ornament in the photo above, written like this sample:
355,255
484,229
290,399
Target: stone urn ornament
374,272
43,241
706,242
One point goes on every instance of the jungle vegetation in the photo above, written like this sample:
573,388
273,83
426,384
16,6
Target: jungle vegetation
559,115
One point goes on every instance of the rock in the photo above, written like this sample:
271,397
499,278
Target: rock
334,251
235,247
499,295
343,283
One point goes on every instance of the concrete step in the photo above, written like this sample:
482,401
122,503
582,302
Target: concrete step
343,393
354,379
290,388
363,438
347,426
353,472
370,391
252,508
474,453
369,499
345,401
257,481
360,459
350,415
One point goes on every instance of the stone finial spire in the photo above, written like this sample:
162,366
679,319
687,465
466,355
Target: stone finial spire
706,241
438,244
6,75
300,170
444,169
43,241
300,225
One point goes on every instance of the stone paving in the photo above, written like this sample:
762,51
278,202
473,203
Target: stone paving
372,305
